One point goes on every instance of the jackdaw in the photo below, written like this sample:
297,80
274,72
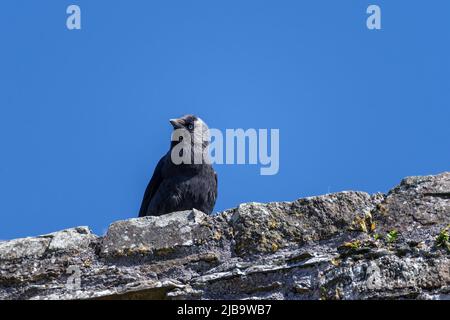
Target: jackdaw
190,184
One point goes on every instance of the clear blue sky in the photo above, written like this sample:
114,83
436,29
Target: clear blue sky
84,114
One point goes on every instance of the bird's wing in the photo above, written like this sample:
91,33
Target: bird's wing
215,191
152,187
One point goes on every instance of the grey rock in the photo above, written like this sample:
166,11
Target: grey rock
71,239
23,248
156,233
333,246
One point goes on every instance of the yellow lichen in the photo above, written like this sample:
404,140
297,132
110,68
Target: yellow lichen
164,251
274,247
352,244
217,235
335,262
272,224
364,223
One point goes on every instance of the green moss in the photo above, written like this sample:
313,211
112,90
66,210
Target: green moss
443,239
392,236
323,293
356,244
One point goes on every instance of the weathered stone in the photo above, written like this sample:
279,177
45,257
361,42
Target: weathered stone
270,227
156,234
416,202
71,239
21,248
347,245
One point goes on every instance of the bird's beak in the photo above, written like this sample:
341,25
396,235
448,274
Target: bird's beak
176,123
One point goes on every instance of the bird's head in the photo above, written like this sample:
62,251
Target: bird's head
193,126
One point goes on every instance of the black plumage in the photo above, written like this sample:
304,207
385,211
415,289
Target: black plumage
178,187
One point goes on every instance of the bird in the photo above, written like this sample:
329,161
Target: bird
178,186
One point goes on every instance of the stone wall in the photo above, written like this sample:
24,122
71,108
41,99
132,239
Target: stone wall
347,245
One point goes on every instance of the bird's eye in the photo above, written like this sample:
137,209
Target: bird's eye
191,126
